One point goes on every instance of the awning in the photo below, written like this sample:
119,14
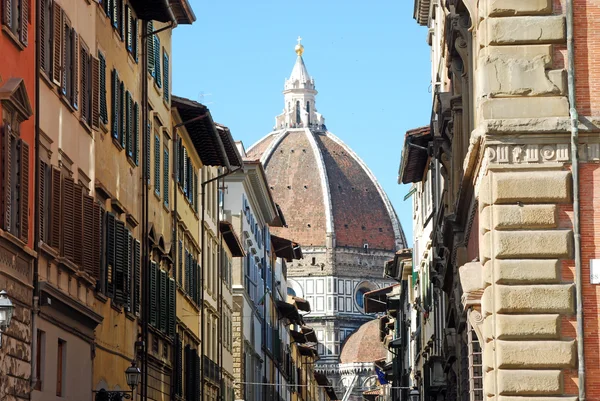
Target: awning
323,381
414,155
207,141
230,147
299,338
286,249
310,334
301,303
306,350
231,239
376,301
289,312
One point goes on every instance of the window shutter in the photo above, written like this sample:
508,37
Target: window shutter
147,145
97,245
75,69
127,112
190,179
129,41
85,97
157,164
166,93
188,372
136,133
6,186
108,8
120,281
24,28
163,301
24,188
43,35
137,278
122,114
115,104
180,263
43,211
129,271
102,89
157,75
150,45
135,39
77,218
115,13
195,201
172,309
187,272
111,236
67,220
121,24
55,212
66,68
58,45
185,172
7,12
89,235
166,177
197,381
95,93
153,293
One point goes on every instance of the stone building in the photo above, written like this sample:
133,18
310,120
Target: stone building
335,209
504,174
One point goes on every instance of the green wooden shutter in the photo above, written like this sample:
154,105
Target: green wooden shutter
157,164
180,263
136,133
129,34
153,293
166,178
195,202
137,279
157,75
187,272
166,93
103,107
198,381
115,104
128,117
110,254
150,48
147,145
185,171
121,263
164,301
178,366
122,114
172,323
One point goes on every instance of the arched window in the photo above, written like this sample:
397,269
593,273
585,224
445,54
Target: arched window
308,110
291,292
298,112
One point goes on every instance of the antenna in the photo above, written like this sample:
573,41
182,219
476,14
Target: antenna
201,96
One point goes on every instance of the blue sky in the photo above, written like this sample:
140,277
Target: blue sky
369,59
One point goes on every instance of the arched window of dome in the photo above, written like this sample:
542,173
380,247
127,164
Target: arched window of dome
308,110
297,111
291,292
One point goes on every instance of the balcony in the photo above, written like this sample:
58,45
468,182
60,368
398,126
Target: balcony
211,370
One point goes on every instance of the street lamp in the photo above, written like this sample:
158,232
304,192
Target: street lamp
132,375
6,312
414,395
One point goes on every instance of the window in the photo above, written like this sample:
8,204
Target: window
166,177
87,86
102,78
61,358
15,17
40,359
132,33
128,112
46,37
14,174
156,163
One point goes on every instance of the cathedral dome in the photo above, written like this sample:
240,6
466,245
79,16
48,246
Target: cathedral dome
327,194
364,345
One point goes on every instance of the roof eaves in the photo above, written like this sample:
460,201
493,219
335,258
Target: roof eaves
153,10
182,11
414,157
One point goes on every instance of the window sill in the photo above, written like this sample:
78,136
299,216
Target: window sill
13,37
156,87
101,297
47,79
85,125
131,162
166,207
167,103
157,196
66,101
117,143
132,57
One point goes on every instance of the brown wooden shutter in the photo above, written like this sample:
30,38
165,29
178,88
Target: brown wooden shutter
56,203
6,12
88,235
42,201
67,221
75,69
24,28
95,93
6,176
57,53
84,83
43,38
98,242
24,189
78,224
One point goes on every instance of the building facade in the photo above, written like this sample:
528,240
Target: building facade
508,166
335,209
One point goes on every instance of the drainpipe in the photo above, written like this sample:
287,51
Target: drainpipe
36,214
576,202
145,248
201,272
174,173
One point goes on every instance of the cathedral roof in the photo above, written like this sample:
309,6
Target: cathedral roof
364,345
323,188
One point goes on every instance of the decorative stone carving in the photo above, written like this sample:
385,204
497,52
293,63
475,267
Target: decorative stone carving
540,153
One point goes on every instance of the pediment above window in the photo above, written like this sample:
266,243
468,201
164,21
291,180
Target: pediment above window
15,93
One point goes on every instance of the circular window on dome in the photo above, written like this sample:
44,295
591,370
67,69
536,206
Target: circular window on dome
359,294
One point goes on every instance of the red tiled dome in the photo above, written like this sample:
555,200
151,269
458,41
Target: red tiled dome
364,345
324,188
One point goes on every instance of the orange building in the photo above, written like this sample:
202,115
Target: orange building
17,99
